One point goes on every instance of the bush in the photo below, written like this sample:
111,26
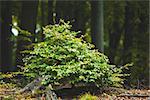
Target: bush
62,58
88,96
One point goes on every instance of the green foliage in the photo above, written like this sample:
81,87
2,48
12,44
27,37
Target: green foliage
88,96
62,58
8,98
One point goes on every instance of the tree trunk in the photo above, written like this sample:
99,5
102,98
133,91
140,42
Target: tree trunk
44,11
6,50
42,18
51,11
80,21
141,63
0,34
128,38
115,34
128,35
97,26
27,22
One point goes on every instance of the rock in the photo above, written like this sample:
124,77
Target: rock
36,85
31,86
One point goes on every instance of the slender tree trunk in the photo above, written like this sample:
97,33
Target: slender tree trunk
128,36
27,22
42,18
51,10
97,27
6,50
115,34
0,34
141,68
44,7
79,23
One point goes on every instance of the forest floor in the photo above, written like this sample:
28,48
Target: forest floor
11,84
7,92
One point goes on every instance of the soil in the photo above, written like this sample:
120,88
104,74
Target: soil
8,92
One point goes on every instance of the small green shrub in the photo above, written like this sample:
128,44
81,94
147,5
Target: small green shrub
8,98
88,96
62,58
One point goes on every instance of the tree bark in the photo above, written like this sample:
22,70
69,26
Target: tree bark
115,34
97,27
44,11
6,50
51,11
128,38
128,35
0,34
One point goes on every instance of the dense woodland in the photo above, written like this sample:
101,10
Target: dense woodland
119,29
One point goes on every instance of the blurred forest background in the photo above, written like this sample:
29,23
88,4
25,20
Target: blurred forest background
119,29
